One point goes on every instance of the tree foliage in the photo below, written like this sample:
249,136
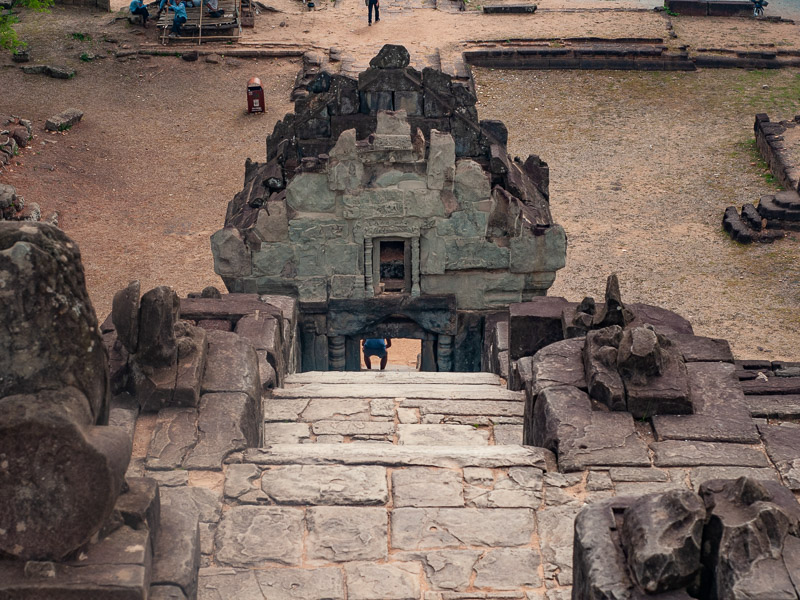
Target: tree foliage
8,36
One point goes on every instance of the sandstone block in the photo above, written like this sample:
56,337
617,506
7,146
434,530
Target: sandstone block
342,534
253,535
326,484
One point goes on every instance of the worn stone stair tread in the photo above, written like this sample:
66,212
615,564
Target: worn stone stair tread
393,377
408,390
390,455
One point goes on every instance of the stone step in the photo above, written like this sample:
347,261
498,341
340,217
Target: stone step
393,377
788,199
453,457
408,390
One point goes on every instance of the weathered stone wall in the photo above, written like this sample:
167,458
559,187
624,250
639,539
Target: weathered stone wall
769,139
316,238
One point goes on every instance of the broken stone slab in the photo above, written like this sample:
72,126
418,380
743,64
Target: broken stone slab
695,348
695,454
772,386
346,533
154,386
192,353
140,505
520,488
204,502
243,483
231,366
560,363
390,456
661,535
118,566
534,325
422,528
441,435
783,447
125,315
264,332
632,474
174,435
299,584
667,393
563,420
599,566
159,311
326,485
284,411
226,423
748,524
239,539
176,557
699,475
444,569
420,487
778,406
392,581
600,355
64,120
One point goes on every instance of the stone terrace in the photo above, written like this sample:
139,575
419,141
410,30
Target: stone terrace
430,495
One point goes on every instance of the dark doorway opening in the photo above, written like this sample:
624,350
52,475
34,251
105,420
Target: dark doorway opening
392,262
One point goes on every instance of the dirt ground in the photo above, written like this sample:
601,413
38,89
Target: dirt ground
642,164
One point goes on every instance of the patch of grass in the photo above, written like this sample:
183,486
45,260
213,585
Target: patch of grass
64,127
81,37
749,148
670,12
85,57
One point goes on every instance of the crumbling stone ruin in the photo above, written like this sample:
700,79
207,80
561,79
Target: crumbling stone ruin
388,209
15,133
734,539
775,213
61,465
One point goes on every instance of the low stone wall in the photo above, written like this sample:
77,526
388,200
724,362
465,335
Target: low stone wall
769,139
713,8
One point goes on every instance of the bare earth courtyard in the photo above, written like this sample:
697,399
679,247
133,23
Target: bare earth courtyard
642,164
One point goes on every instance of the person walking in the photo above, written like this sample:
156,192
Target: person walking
370,4
376,347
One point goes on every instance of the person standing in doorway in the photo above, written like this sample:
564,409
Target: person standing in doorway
376,347
370,4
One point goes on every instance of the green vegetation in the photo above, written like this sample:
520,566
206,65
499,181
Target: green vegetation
81,37
750,149
86,57
8,37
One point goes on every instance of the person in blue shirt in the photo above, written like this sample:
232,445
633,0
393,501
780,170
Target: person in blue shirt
214,11
138,8
376,347
180,16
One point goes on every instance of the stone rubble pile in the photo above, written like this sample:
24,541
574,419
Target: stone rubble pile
15,133
732,540
775,214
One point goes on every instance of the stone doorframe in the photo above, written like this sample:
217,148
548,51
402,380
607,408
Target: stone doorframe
432,319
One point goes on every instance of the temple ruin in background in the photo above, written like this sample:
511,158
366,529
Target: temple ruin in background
389,210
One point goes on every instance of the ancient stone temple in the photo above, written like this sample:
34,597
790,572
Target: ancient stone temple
389,210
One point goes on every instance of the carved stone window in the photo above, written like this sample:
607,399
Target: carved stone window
392,264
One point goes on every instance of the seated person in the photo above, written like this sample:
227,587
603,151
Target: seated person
376,347
213,9
180,16
138,8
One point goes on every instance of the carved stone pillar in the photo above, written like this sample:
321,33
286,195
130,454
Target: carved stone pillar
370,286
336,356
444,353
415,266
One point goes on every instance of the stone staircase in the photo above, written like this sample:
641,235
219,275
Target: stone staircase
390,486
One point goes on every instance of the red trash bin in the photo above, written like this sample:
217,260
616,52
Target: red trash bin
255,96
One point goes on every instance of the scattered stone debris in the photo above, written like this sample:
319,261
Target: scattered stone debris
64,121
736,539
15,133
54,72
21,56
